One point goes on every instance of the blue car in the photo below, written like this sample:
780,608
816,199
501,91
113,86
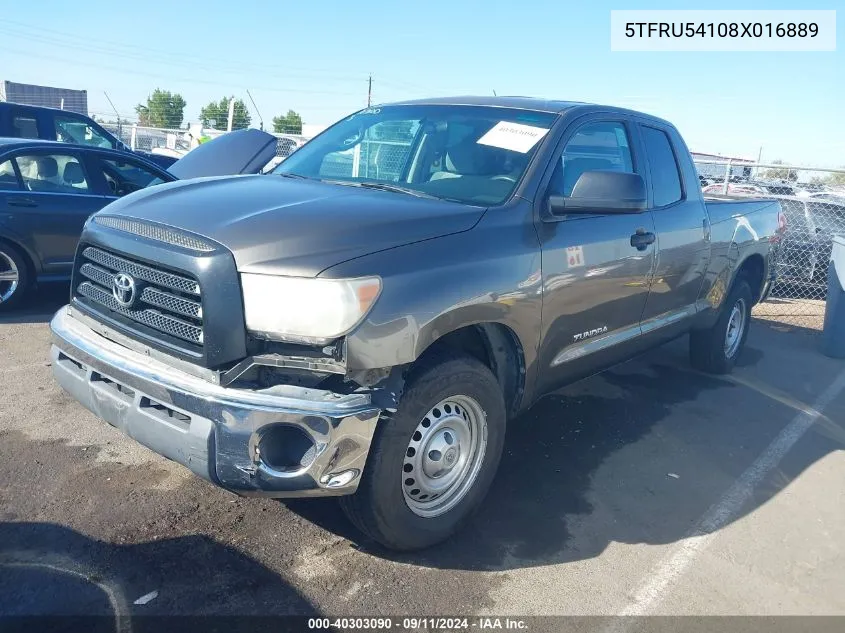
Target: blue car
49,189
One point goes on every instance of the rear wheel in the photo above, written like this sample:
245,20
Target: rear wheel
716,350
14,276
432,462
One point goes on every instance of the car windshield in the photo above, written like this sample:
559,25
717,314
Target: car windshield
469,154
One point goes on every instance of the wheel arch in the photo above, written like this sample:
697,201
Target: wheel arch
753,270
29,257
498,347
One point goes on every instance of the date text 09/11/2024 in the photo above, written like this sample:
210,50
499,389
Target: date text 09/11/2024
414,623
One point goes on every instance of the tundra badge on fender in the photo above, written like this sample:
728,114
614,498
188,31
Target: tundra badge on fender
590,333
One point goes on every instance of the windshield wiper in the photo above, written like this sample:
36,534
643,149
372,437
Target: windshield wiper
297,176
381,186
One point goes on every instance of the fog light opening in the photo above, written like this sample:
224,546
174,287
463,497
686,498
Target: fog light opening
286,448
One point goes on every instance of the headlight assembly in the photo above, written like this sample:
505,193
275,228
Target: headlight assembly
303,310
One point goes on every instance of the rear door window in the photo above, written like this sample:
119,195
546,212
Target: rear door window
24,126
663,167
52,173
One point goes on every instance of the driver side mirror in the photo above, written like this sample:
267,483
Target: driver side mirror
602,192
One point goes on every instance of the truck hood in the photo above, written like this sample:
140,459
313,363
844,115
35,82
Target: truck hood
275,225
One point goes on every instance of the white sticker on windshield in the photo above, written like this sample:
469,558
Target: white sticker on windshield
513,136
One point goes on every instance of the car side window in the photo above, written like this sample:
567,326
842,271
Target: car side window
24,126
72,130
52,173
8,177
599,146
665,176
125,176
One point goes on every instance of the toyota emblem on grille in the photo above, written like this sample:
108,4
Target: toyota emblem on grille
123,289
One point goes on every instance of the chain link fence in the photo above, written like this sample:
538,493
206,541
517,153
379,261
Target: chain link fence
813,203
150,138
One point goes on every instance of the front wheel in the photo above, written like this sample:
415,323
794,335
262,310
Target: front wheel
432,462
716,350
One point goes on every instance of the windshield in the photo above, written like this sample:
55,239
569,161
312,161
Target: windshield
470,154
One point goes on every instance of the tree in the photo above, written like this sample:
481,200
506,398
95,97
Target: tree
163,109
291,123
836,179
218,111
780,173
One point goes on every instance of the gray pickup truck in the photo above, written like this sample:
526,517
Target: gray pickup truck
364,320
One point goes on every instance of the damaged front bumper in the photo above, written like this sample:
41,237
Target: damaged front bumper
284,441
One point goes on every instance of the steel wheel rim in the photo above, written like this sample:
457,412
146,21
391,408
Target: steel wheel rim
9,277
444,456
736,328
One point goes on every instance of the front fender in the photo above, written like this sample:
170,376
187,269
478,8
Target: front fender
490,274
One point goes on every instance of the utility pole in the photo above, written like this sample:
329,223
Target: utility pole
231,120
370,91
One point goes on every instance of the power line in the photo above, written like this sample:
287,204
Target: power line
216,65
129,51
178,78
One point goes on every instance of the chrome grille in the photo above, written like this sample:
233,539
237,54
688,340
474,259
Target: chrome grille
165,302
142,271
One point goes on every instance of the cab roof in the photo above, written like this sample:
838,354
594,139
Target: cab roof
552,106
524,103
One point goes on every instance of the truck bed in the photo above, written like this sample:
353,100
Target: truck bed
722,208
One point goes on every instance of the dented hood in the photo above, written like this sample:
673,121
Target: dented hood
276,225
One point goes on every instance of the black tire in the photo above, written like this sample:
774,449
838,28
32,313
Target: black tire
708,347
11,259
379,508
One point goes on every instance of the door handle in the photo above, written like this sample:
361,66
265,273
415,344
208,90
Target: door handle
21,202
641,240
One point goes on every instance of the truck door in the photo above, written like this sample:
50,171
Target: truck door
596,267
682,229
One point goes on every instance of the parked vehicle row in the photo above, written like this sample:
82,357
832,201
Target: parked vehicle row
51,124
343,328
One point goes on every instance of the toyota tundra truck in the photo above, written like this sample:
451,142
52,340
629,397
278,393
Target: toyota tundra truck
364,320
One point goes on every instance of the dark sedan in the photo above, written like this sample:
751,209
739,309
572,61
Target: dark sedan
49,189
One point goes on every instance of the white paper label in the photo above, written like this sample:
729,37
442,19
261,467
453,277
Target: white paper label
513,136
575,256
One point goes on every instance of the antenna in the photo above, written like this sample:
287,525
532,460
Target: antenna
494,94
260,118
112,106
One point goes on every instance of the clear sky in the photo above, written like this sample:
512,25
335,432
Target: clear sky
314,57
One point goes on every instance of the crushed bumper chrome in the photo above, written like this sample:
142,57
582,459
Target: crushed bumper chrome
215,431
